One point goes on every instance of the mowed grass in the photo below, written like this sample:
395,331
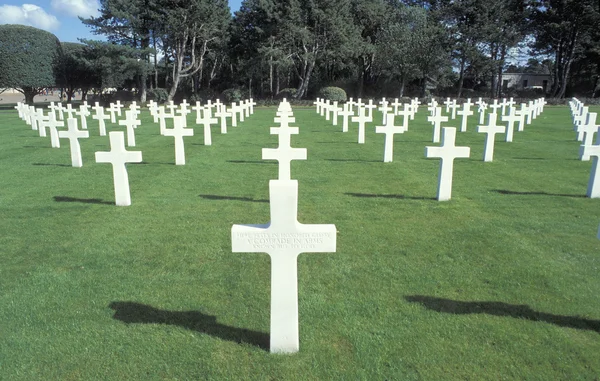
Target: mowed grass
501,282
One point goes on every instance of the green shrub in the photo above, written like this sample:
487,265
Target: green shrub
159,95
333,94
288,93
232,95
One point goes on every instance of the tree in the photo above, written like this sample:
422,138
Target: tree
561,27
191,29
75,73
130,23
29,59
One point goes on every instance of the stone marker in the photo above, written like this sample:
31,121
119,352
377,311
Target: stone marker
511,118
73,134
389,130
284,153
436,119
490,130
593,189
284,238
178,132
589,129
83,113
361,119
118,156
465,113
206,121
345,113
131,122
52,124
222,114
100,116
447,152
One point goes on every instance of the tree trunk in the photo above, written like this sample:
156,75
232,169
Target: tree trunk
461,77
302,89
29,93
402,83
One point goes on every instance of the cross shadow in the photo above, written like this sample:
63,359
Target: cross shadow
36,147
398,196
154,163
504,191
132,312
82,200
518,311
356,160
252,161
234,198
51,165
529,158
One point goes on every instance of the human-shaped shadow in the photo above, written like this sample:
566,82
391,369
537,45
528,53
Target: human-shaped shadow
518,311
137,313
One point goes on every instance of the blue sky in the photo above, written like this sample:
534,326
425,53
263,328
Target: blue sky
58,16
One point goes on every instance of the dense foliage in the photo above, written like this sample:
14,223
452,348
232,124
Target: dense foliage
368,48
29,59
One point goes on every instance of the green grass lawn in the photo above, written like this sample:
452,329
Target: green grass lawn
501,282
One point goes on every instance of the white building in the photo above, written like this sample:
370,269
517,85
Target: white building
526,81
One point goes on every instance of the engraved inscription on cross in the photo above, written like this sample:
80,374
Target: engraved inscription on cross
118,156
284,154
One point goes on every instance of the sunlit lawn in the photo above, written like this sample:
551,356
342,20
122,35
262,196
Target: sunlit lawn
501,282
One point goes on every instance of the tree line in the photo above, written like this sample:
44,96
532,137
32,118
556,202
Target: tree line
270,48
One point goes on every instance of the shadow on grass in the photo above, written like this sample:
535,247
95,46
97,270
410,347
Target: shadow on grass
398,196
82,200
518,311
51,165
504,191
36,147
356,160
252,162
132,312
233,198
529,158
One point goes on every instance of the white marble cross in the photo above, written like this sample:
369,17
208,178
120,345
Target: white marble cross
389,129
242,110
284,153
384,109
396,104
38,118
453,107
335,110
135,108
436,119
482,109
100,116
370,107
70,111
234,111
447,152
183,111
172,107
327,109
511,118
60,108
495,107
178,132
114,110
522,113
222,114
593,189
345,113
318,104
284,238
52,108
251,103
52,123
490,130
447,103
83,113
118,156
361,119
162,116
131,122
589,129
465,113
73,134
406,113
206,121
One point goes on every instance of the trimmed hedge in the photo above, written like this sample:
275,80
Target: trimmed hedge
333,94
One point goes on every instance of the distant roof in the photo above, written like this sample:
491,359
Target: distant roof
526,74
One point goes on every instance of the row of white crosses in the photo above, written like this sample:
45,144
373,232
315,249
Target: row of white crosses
585,124
284,238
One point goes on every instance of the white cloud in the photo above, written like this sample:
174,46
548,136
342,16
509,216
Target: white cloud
28,14
83,8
